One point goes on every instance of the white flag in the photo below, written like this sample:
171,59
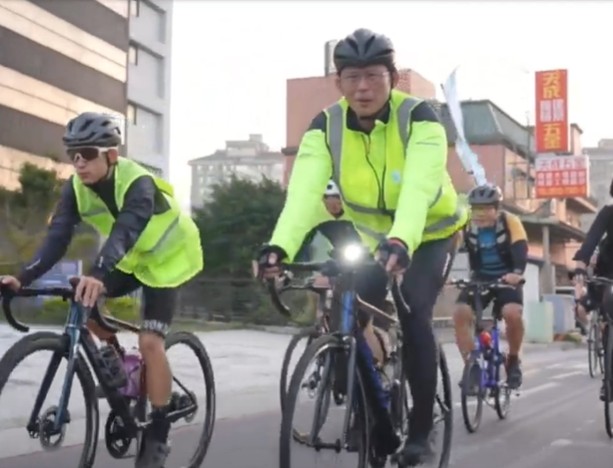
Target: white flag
469,159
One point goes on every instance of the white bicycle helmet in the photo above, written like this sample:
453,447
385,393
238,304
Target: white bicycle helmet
332,190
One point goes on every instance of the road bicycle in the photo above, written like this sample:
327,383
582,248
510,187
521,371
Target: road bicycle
605,310
486,360
125,392
360,390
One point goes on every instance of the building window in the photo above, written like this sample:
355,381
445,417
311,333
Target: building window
133,55
131,114
134,7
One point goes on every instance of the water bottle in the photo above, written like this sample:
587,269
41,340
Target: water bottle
112,366
132,365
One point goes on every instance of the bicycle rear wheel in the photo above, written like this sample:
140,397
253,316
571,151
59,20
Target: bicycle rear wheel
309,334
58,345
472,420
608,387
324,348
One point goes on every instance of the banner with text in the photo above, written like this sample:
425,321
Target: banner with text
562,176
551,117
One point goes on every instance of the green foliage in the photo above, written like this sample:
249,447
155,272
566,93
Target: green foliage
55,311
24,215
239,217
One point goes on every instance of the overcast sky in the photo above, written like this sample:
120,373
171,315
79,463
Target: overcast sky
231,59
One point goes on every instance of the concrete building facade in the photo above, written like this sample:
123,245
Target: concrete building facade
57,59
250,159
149,62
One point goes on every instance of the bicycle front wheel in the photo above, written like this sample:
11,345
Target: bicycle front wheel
444,409
472,387
42,429
593,349
308,334
324,353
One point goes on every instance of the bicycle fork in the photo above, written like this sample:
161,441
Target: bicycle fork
72,335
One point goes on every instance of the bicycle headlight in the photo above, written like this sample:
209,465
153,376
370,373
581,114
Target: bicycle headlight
352,253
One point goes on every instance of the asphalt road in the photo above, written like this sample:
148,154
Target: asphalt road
556,421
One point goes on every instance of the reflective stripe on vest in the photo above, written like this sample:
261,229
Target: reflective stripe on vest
335,140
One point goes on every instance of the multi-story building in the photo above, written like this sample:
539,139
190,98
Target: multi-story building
601,173
249,159
57,59
148,110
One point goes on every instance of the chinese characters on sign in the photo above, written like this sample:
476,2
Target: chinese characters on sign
561,176
551,126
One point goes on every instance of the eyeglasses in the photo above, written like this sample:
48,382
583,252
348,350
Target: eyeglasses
353,79
88,153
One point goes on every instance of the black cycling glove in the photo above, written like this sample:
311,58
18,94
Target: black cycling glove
263,254
394,246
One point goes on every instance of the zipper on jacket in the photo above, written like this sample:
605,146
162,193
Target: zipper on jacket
380,202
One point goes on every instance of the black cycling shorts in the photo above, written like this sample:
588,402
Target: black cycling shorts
158,304
501,297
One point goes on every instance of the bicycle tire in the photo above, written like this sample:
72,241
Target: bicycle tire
608,393
447,402
599,350
502,395
471,424
192,341
309,333
286,436
48,341
592,349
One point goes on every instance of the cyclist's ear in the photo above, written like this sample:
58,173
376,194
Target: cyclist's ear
113,155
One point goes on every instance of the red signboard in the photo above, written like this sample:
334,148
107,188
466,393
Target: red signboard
551,123
562,176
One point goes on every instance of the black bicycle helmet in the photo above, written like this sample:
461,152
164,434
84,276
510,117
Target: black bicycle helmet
486,194
93,129
362,48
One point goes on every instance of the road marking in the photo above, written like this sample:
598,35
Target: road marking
527,392
538,388
566,375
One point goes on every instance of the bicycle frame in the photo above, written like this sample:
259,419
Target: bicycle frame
78,336
489,364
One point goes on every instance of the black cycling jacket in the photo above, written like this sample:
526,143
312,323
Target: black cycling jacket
603,224
141,201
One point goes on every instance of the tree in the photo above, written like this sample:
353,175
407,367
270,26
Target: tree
239,217
24,214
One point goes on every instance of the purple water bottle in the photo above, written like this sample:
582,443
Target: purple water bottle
132,363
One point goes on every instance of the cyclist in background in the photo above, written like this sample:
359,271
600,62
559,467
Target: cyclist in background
387,152
334,226
150,244
497,248
600,235
588,298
